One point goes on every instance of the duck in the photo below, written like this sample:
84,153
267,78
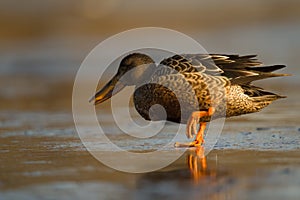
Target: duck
192,89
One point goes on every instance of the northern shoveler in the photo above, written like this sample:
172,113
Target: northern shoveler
192,88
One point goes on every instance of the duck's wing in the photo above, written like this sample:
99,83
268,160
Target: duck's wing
243,70
238,69
188,63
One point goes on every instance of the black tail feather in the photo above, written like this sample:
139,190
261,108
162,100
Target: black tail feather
257,92
246,80
266,68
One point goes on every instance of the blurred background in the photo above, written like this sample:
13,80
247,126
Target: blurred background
42,45
44,42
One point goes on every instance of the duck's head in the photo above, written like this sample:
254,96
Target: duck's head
137,67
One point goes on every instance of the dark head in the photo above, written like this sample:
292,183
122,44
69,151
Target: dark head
137,67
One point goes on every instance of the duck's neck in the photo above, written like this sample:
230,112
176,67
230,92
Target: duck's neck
142,74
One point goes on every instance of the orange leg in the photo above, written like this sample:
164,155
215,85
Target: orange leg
191,128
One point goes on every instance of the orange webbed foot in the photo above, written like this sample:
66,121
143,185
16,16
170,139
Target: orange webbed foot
191,128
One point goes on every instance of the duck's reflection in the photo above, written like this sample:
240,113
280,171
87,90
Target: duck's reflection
197,164
193,176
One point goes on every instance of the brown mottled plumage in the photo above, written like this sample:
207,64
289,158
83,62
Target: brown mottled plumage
185,84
